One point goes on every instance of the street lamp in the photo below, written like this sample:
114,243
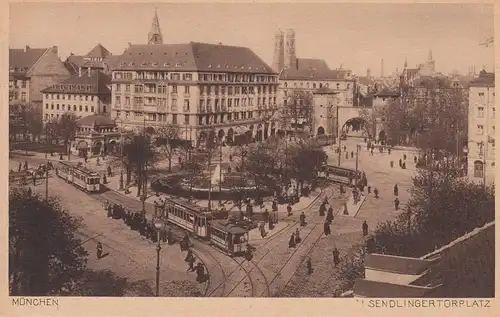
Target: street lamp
159,225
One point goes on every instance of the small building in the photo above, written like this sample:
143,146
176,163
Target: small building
96,135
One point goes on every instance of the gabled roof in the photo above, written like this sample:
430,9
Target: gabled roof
22,60
312,69
193,57
484,80
98,51
95,120
96,83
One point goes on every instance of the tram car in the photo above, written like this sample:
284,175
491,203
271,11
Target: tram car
188,216
80,176
341,175
228,237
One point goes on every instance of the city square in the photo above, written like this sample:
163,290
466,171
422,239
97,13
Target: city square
201,170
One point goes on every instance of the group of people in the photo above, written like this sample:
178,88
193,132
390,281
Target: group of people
138,222
198,268
329,216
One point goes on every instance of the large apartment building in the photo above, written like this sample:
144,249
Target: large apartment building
32,70
201,88
481,142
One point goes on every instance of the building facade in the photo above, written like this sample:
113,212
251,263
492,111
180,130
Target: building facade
83,94
481,142
201,88
30,71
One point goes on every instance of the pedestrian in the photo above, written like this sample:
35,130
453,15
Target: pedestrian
289,210
271,223
109,171
396,191
20,167
297,236
396,203
291,242
391,163
302,219
200,272
249,210
414,159
329,216
326,228
104,179
309,266
400,162
365,228
263,232
352,154
371,152
404,157
336,256
389,151
60,157
190,260
325,201
170,239
369,189
346,155
99,250
25,165
275,205
346,211
322,209
404,165
375,191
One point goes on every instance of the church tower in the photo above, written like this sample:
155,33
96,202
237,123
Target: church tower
290,59
279,51
154,36
431,65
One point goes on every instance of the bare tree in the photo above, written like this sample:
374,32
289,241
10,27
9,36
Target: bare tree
168,140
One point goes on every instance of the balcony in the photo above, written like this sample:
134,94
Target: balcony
187,95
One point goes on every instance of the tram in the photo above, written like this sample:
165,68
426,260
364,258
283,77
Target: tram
228,237
80,176
341,175
188,216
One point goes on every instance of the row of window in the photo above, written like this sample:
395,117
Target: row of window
69,97
480,129
308,85
480,112
162,102
80,108
18,83
204,89
224,77
481,94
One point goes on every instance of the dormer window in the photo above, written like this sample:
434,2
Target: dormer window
122,64
155,64
177,64
131,64
218,66
227,66
209,65
140,53
166,64
151,53
143,64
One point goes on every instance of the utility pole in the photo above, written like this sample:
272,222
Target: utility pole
220,173
357,159
338,135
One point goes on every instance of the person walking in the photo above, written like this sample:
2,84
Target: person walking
336,256
99,250
326,228
365,228
289,210
329,215
190,260
297,236
322,209
291,242
309,266
302,219
352,154
20,167
396,190
375,191
396,203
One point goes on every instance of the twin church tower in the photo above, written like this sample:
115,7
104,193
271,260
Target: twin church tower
284,50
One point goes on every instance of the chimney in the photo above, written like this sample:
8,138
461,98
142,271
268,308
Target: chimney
55,49
79,72
26,48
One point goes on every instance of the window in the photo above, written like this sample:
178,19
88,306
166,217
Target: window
186,89
51,107
186,104
478,169
81,108
481,94
174,119
174,89
92,109
127,88
187,76
229,103
493,113
174,104
86,108
74,107
186,119
57,97
222,90
480,129
480,112
118,100
23,84
229,117
46,106
23,96
57,107
104,109
127,101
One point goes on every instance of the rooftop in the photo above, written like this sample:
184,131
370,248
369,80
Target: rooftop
396,264
312,69
193,57
96,83
95,120
483,80
23,59
98,51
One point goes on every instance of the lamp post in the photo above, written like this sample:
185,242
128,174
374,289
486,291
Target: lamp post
159,225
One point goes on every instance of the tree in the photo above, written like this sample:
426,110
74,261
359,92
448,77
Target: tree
298,110
306,160
25,120
66,128
168,140
45,257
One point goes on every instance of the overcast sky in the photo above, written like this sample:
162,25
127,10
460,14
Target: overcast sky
356,36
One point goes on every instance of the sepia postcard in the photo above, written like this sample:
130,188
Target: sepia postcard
327,158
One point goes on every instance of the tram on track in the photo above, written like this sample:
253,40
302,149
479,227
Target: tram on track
79,176
341,175
229,237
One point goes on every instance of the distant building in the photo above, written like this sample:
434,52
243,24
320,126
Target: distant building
83,94
96,135
481,142
32,70
98,58
198,87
